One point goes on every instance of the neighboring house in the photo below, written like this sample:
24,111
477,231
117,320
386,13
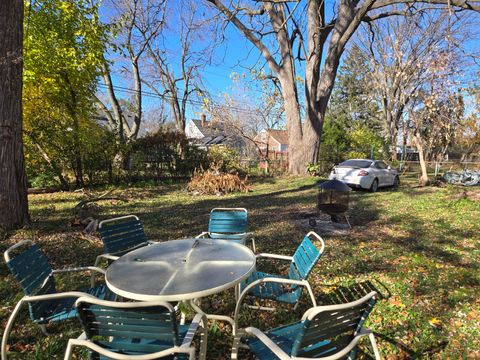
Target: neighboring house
272,140
207,133
273,147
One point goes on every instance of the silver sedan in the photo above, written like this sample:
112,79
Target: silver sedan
365,174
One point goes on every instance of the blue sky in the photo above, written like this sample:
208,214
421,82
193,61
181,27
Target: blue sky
235,54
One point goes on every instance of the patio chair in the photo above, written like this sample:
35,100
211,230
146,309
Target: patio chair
228,224
286,288
121,235
135,330
324,332
32,270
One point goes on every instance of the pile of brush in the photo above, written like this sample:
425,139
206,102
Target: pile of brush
214,182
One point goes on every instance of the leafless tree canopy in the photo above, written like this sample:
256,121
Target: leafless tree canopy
298,39
402,52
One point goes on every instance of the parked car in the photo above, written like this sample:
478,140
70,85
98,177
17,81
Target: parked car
365,174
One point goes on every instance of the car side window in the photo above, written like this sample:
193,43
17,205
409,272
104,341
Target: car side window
381,165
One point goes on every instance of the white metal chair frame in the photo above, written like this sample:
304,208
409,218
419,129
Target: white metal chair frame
304,283
247,234
310,314
34,298
200,320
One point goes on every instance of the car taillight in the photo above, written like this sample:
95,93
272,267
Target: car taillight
362,173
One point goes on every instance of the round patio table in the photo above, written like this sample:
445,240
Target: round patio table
179,270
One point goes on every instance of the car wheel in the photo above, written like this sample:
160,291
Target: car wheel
374,186
396,182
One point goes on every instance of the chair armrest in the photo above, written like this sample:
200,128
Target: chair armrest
107,256
274,256
66,294
92,269
198,320
264,280
87,343
79,269
202,235
274,348
33,298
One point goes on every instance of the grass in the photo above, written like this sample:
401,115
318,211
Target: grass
419,247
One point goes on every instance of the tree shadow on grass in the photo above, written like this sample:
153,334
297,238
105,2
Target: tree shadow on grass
190,219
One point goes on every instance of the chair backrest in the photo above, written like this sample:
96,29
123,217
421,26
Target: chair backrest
328,329
32,270
122,233
228,223
136,327
305,257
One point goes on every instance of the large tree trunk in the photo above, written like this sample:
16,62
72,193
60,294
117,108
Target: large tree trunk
13,180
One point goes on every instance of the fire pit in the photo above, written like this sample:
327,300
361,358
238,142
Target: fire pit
333,199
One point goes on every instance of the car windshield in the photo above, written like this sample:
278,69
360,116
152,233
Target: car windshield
356,163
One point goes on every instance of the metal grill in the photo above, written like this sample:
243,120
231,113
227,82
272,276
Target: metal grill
334,199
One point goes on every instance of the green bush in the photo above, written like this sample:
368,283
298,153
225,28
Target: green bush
163,154
42,180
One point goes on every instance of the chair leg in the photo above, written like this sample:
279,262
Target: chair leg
92,276
204,340
44,330
68,352
374,346
348,222
237,292
236,344
8,328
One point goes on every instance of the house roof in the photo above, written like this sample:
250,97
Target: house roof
211,129
280,135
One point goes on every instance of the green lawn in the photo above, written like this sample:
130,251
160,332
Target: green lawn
419,247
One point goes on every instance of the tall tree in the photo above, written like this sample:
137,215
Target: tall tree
437,111
13,180
287,33
62,62
176,65
137,23
401,51
351,99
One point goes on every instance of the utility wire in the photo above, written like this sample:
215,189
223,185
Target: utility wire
168,97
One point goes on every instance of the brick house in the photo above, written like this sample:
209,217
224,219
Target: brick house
273,147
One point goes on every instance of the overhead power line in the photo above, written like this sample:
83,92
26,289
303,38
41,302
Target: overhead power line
169,97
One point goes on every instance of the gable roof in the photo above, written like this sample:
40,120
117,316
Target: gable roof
280,135
211,129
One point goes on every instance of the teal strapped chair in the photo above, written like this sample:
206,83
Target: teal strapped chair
325,332
286,288
30,267
121,235
228,224
135,330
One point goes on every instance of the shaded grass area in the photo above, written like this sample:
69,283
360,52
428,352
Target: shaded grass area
418,247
